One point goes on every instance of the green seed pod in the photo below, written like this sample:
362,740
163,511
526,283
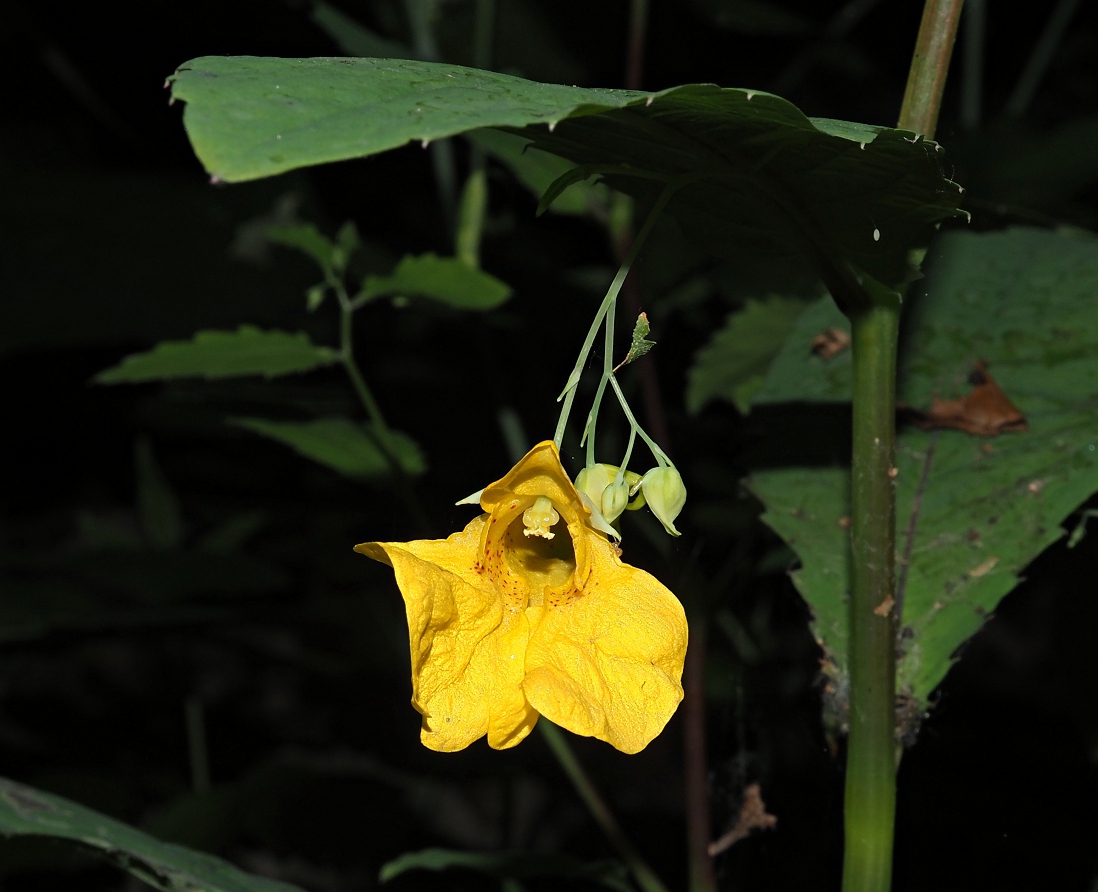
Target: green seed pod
594,479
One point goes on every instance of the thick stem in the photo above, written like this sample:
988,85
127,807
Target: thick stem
644,875
929,66
870,800
870,803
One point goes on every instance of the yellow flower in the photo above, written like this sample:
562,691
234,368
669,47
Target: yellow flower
529,611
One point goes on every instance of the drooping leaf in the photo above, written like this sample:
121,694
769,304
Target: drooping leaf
980,508
732,366
769,180
445,279
512,865
27,812
537,170
223,354
231,533
355,450
157,505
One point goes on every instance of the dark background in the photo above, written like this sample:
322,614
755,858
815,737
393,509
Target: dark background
292,648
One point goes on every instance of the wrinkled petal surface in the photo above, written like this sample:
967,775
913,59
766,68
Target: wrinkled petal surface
467,649
608,664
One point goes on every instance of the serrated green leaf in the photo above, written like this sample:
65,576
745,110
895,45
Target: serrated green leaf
732,366
223,354
799,375
538,170
639,344
771,182
27,812
511,865
445,279
351,449
1023,301
307,239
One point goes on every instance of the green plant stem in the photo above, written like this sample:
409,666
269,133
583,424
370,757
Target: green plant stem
638,29
929,66
661,457
698,829
347,358
484,33
196,744
644,875
870,802
381,432
569,392
473,206
1043,53
421,16
870,798
972,75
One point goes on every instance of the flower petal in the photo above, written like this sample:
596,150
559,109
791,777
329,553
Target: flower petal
538,473
467,649
608,664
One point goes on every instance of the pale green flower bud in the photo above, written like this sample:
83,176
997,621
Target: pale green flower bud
665,493
614,499
594,479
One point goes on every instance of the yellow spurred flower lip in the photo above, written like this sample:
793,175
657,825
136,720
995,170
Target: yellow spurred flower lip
520,615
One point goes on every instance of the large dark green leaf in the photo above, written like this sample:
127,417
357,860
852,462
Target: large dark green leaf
27,812
771,180
1023,301
733,365
223,354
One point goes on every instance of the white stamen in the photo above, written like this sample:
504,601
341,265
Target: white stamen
539,517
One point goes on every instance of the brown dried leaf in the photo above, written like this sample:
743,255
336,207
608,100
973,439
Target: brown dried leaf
753,815
986,412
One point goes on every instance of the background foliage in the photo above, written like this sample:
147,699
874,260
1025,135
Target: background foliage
192,648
